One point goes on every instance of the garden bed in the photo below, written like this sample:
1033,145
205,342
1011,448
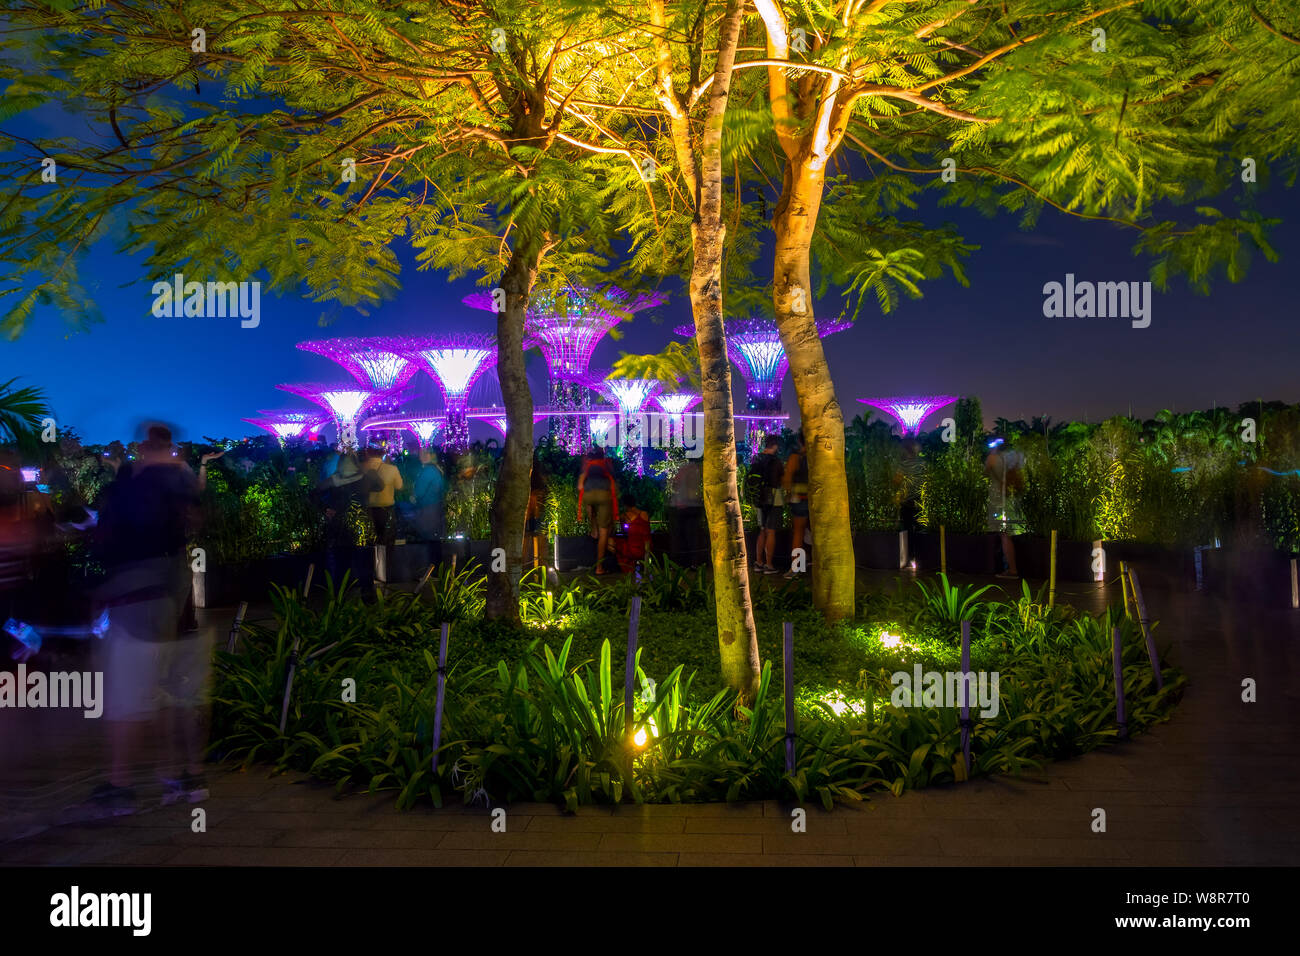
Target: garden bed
535,712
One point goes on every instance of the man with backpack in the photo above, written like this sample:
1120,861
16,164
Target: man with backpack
767,466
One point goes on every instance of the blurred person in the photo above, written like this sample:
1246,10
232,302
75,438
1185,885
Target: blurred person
767,466
154,679
534,535
794,483
686,513
339,491
1004,467
381,482
598,494
430,497
633,547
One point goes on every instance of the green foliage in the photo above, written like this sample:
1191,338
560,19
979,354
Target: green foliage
955,492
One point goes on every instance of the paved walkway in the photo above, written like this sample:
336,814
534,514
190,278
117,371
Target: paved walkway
1216,785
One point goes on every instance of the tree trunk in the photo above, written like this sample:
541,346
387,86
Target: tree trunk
510,502
833,570
737,636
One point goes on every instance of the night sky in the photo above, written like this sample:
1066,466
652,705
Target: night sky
990,340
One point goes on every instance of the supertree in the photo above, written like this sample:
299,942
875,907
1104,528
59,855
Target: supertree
378,363
630,395
910,411
455,362
754,346
675,405
425,426
567,327
497,419
289,423
344,401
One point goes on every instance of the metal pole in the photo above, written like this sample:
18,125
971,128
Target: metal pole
788,667
629,673
442,686
1120,716
965,694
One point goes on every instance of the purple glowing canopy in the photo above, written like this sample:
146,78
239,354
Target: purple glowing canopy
567,326
677,403
379,363
754,346
910,411
289,423
344,401
455,361
629,394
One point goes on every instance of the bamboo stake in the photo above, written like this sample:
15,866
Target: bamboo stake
442,687
1120,715
1141,606
1123,583
943,550
236,626
965,694
1295,585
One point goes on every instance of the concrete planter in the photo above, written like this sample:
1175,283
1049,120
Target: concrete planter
886,550
1249,575
1157,566
1034,558
967,553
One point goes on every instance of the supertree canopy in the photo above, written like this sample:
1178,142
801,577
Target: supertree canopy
630,395
289,423
675,405
910,411
345,402
498,420
426,426
379,363
567,327
455,362
754,346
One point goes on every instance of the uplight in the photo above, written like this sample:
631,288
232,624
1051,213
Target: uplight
890,640
640,737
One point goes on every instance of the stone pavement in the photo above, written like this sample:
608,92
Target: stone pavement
1216,785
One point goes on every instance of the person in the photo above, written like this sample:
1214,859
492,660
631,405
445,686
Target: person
535,539
153,675
768,468
1004,467
598,493
340,490
636,544
794,482
430,497
381,481
686,513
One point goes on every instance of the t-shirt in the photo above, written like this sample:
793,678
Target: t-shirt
769,470
430,486
597,476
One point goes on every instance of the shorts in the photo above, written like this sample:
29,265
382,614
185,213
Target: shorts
799,509
599,505
770,517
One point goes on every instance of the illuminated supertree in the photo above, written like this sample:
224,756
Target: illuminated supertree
754,346
344,401
567,328
498,420
630,395
287,424
675,405
910,411
376,362
455,362
426,426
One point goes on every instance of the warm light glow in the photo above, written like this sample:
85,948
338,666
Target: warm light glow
890,640
640,737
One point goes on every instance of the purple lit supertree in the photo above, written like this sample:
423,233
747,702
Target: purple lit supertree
675,405
630,395
754,346
287,424
344,401
376,362
425,426
499,421
567,327
455,362
910,411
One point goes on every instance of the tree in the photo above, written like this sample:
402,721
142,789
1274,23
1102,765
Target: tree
1109,113
21,413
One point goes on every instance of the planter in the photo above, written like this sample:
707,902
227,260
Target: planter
480,550
1157,566
408,562
967,553
880,549
574,551
1248,575
1034,558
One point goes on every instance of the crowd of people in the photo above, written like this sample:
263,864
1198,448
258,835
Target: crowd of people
783,486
